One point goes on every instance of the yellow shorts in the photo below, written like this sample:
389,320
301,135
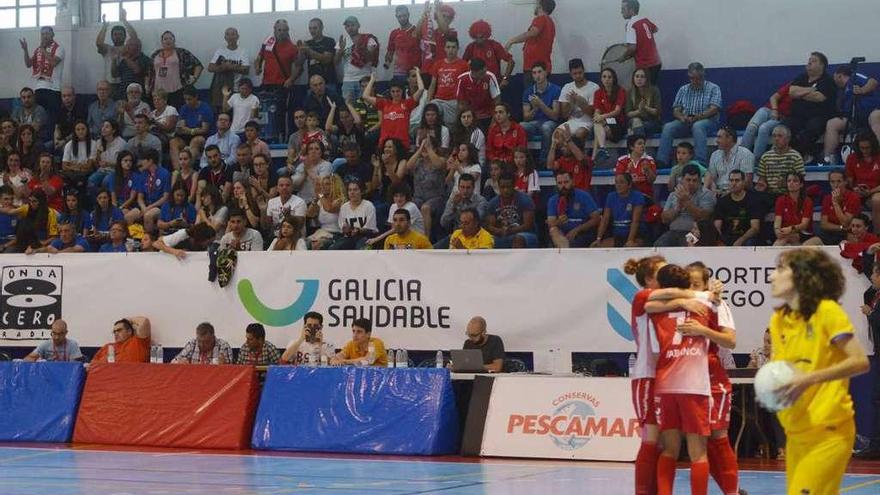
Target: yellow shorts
815,461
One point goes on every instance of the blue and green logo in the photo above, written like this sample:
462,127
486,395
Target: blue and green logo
627,289
278,317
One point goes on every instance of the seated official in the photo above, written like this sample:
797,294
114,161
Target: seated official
256,350
131,341
205,348
59,348
491,346
363,349
310,343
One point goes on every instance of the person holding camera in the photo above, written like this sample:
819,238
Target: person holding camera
309,344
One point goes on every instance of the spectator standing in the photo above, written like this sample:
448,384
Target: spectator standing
33,114
696,109
433,32
757,134
572,214
112,53
537,40
276,63
173,69
576,99
541,107
689,204
256,351
317,52
444,81
491,52
395,110
206,348
778,161
477,92
132,66
813,96
728,157
640,42
101,109
359,54
46,64
229,64
404,52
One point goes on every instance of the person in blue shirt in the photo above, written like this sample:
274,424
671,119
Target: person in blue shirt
541,107
178,213
8,223
104,214
74,214
510,216
572,214
194,125
68,241
118,238
867,108
153,187
622,215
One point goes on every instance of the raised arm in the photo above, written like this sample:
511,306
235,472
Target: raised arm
141,326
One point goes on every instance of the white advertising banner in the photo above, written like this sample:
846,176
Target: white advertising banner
561,418
537,300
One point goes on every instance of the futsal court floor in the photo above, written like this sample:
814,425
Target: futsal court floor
100,471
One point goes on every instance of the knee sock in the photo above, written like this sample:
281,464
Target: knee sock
723,465
665,475
646,469
699,478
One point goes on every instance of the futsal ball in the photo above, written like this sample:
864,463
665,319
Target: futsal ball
770,377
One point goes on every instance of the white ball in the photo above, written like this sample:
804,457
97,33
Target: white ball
770,377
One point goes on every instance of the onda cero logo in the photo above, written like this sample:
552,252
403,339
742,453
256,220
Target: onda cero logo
279,317
30,301
623,294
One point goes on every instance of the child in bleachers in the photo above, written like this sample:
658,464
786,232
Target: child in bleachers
525,173
684,155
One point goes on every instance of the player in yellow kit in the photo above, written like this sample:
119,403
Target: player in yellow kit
812,332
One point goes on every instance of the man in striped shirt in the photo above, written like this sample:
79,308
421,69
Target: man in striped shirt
696,109
779,160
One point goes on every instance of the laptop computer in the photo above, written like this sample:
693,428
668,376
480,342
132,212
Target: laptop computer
467,361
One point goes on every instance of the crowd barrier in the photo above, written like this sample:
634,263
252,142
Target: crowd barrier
210,407
363,410
38,402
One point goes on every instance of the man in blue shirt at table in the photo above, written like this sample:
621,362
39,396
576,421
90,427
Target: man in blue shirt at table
572,214
59,348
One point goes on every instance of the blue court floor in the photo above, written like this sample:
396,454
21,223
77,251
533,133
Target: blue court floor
25,471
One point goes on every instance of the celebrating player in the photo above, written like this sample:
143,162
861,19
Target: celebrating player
812,332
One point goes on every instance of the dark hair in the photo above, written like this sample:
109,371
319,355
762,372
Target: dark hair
101,215
740,173
690,169
212,147
547,6
472,211
364,323
575,63
118,177
860,216
401,188
395,83
201,233
643,268
404,212
477,64
730,131
6,190
151,155
113,125
540,65
626,176
216,199
204,328
673,276
246,81
252,124
530,163
816,276
870,138
467,177
633,5
399,148
20,146
802,194
686,145
125,323
257,330
615,86
424,122
74,140
506,175
237,212
822,58
844,70
632,139
190,91
473,153
315,316
451,39
702,268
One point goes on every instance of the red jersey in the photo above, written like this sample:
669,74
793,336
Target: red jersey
491,52
717,374
539,48
480,95
405,46
852,205
581,171
435,50
683,360
395,119
56,200
637,170
500,144
786,207
640,32
783,106
285,52
864,171
603,104
646,342
447,74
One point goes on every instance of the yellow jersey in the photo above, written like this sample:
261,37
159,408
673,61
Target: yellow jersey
809,346
483,240
351,351
410,240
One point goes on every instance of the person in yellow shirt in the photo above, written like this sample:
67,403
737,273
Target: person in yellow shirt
363,349
471,235
813,333
42,219
405,237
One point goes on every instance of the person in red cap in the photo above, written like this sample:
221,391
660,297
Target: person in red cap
433,33
489,50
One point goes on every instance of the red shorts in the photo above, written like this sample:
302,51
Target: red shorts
686,412
643,400
719,409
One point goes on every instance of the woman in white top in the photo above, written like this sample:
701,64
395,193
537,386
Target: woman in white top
326,212
77,162
290,236
16,177
163,119
104,154
357,219
211,210
133,105
463,160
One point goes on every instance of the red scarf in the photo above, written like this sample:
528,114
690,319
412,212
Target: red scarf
359,54
43,65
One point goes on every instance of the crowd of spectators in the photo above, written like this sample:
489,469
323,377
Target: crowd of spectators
437,161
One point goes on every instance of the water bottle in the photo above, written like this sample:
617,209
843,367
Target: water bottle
632,364
315,359
400,359
390,355
160,354
111,354
438,361
371,354
153,354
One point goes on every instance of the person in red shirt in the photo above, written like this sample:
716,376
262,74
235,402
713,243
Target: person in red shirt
608,116
858,240
794,214
839,207
537,40
395,111
478,91
46,179
131,342
640,42
277,63
403,45
863,171
490,51
566,153
444,82
504,136
638,164
433,32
